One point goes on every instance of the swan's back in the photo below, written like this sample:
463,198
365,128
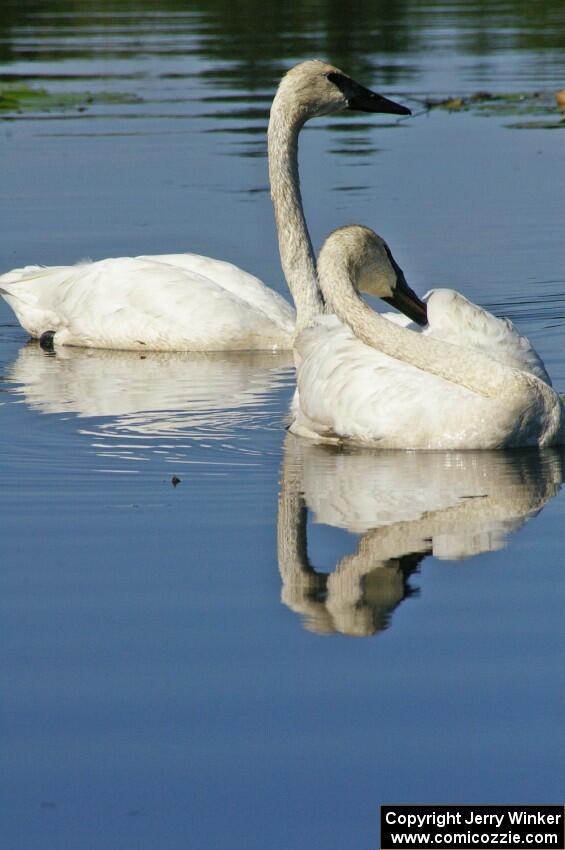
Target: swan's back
236,281
349,390
170,302
454,319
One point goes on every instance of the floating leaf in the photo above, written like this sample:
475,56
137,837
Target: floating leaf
513,103
18,97
538,125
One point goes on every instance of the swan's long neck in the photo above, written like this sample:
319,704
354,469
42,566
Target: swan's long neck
297,256
480,374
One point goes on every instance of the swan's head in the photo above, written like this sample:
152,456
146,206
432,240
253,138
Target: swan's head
370,266
316,88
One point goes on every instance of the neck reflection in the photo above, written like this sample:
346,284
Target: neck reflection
405,506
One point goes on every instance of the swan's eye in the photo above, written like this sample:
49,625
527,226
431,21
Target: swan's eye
339,80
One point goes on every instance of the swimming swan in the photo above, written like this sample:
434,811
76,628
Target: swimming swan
186,302
370,381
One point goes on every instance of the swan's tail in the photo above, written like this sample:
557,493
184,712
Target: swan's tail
14,290
21,291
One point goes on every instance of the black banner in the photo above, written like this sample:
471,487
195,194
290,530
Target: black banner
472,827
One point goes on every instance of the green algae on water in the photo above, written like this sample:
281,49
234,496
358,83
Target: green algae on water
16,97
539,106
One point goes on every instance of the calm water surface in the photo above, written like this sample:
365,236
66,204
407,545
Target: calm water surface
259,655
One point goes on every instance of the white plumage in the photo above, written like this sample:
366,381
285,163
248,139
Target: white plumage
174,302
186,302
456,320
470,381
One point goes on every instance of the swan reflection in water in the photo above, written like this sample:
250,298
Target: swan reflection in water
208,395
405,506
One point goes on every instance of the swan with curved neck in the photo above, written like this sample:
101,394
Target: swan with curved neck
371,381
186,301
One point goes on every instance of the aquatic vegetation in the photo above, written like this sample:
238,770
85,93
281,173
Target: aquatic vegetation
20,97
542,105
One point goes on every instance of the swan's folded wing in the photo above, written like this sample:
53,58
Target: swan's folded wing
30,292
238,282
349,389
454,319
136,303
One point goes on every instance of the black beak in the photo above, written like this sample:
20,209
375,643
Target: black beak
406,300
366,100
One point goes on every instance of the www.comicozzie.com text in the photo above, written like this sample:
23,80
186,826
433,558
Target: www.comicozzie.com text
483,839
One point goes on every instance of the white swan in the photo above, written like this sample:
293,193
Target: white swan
370,381
186,302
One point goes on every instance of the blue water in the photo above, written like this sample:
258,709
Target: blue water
260,655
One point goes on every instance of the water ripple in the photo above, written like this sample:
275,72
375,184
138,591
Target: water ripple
547,306
188,408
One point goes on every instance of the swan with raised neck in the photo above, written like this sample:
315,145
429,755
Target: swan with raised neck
310,89
186,302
